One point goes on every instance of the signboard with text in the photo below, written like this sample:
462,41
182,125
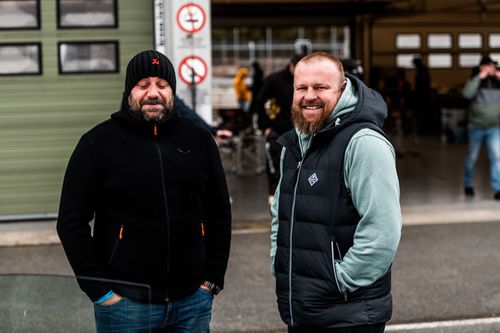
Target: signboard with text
183,33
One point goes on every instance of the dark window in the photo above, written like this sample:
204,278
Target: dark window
87,14
20,14
20,59
88,57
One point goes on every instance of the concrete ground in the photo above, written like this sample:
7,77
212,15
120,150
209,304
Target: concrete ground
445,276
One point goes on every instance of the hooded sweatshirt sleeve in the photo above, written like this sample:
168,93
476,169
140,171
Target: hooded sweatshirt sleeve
76,210
370,174
471,87
274,215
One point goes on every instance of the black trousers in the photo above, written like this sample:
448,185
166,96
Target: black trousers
376,328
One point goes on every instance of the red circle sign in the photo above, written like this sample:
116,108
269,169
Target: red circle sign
192,70
191,17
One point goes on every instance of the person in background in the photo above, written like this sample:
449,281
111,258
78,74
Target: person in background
243,97
336,218
275,119
186,112
422,97
154,185
243,93
257,82
483,91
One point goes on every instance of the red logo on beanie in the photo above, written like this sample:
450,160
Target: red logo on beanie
155,61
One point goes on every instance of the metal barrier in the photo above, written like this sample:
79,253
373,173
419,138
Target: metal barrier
244,154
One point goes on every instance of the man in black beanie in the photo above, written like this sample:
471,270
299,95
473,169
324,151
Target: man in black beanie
153,183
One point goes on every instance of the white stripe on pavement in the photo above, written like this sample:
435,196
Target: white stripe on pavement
439,324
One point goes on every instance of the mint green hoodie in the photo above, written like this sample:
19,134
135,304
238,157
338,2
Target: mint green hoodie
370,175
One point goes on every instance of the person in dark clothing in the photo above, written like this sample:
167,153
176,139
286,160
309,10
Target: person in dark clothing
277,90
336,214
154,185
257,82
186,112
422,97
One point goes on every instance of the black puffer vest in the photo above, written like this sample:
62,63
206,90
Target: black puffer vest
317,222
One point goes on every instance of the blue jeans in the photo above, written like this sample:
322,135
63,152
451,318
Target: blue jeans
190,314
491,138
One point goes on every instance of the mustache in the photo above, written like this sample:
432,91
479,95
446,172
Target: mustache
314,103
153,101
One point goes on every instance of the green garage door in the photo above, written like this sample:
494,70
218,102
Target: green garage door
62,66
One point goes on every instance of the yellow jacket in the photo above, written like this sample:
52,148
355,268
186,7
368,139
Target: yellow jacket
240,87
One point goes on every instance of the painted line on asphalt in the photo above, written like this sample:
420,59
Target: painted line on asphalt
440,324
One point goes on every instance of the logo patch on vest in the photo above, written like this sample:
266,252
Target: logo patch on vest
313,179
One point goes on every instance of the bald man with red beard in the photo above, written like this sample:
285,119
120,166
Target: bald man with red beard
336,214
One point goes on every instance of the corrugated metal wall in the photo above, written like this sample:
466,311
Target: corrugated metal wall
43,116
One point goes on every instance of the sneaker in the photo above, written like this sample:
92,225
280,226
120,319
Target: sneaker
469,191
497,195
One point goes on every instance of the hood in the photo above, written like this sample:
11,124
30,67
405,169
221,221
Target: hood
370,107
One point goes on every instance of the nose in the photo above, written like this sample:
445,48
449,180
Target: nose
310,94
153,91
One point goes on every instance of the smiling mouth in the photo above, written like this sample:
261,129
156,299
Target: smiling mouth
312,107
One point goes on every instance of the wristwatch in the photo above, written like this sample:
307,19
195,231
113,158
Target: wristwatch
215,289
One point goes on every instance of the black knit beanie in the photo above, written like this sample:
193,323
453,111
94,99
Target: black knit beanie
149,63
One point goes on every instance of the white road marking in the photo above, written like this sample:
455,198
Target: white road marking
439,324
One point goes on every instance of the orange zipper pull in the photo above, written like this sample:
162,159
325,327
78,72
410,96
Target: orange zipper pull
202,229
121,232
155,131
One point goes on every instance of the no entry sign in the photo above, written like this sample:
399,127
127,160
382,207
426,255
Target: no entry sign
191,18
192,70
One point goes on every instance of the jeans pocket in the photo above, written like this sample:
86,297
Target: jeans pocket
205,291
114,305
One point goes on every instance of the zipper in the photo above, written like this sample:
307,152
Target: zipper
292,217
115,247
165,206
335,271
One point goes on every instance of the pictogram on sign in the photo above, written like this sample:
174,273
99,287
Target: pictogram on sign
193,70
191,17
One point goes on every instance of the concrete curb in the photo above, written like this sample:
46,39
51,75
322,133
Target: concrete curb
44,232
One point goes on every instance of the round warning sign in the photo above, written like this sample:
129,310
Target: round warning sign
193,70
191,17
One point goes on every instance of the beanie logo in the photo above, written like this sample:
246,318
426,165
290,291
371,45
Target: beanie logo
155,61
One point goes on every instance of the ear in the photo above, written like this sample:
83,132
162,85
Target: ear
343,86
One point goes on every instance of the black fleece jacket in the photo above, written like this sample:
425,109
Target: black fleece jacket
159,199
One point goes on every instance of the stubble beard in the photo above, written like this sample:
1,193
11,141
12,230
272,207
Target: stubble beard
307,127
